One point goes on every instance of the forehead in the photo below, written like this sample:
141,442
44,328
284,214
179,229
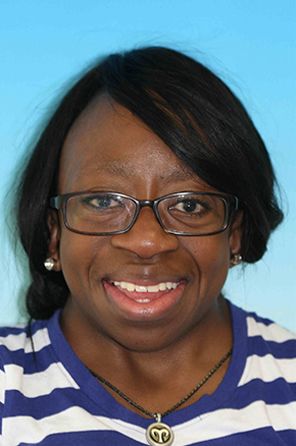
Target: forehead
107,140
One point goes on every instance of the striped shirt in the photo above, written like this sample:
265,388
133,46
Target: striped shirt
49,398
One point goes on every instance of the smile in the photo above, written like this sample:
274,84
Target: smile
162,286
137,301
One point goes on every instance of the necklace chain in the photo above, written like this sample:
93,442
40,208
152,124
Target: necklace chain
175,406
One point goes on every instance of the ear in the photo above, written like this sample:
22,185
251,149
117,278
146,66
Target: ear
53,224
235,234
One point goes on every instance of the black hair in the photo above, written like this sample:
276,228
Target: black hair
192,111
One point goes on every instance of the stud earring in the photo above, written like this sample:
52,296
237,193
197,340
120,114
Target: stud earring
236,259
49,264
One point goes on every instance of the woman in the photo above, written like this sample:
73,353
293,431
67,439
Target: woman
148,183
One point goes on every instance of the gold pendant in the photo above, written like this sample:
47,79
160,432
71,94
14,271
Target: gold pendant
159,433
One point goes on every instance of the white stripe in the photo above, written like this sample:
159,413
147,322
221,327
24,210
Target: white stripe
225,422
41,383
20,341
2,386
267,368
40,340
219,424
272,332
75,419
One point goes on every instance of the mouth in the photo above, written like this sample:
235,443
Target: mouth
150,292
144,301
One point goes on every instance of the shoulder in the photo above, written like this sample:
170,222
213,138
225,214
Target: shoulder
268,330
18,341
261,329
271,351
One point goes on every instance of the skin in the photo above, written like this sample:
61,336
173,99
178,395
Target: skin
110,149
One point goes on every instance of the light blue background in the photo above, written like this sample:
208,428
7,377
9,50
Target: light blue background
251,44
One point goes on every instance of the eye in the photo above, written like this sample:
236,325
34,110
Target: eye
191,206
101,202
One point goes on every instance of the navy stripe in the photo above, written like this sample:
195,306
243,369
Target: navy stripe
275,392
32,362
260,319
284,350
6,331
57,401
29,329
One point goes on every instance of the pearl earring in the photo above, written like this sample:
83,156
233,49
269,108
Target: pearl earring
236,259
49,264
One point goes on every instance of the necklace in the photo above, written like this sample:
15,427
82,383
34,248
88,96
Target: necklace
159,433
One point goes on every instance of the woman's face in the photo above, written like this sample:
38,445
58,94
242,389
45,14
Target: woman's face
109,149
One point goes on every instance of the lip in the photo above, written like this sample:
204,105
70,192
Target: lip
144,306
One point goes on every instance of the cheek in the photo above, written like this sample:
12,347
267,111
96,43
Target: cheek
211,257
79,258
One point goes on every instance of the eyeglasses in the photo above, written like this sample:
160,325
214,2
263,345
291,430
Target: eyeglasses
182,213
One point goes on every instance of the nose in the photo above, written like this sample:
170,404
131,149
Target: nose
146,238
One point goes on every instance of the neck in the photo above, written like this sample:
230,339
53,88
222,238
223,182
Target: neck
153,372
191,394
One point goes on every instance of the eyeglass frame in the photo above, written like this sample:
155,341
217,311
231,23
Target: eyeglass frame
59,202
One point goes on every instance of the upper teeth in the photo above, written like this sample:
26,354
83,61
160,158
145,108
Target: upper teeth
146,289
